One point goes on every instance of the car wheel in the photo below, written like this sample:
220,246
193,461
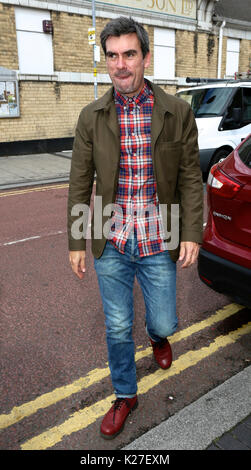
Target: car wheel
220,155
240,301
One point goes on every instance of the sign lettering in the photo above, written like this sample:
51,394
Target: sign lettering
183,8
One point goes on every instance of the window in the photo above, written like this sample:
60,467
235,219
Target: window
207,102
35,51
239,111
247,105
233,50
164,53
245,152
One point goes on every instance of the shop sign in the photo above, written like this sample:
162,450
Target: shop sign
183,8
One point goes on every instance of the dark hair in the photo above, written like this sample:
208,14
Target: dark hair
124,25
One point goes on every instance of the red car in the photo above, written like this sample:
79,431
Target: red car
224,262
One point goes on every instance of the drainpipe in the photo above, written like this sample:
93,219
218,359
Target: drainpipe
220,48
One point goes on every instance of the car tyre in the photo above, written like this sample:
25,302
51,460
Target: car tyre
219,155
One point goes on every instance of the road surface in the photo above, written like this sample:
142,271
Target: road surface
55,383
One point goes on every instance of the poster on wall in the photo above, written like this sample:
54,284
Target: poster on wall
9,103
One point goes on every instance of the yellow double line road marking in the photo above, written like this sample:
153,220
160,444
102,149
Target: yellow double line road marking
82,419
32,190
27,409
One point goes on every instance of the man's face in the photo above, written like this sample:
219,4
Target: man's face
125,63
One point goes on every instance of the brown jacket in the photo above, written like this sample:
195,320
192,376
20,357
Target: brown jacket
175,161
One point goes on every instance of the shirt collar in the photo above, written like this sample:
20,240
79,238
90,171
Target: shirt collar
138,99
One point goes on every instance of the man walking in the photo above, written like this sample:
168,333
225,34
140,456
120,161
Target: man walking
142,144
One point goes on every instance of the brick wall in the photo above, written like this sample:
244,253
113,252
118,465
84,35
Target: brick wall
245,56
70,42
196,54
8,44
50,109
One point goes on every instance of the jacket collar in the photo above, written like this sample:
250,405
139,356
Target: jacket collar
161,99
162,104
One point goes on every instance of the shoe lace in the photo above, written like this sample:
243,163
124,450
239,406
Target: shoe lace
118,404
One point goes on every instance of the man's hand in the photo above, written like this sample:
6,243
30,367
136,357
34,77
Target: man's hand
77,260
188,253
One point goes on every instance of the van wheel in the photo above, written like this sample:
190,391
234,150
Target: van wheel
220,155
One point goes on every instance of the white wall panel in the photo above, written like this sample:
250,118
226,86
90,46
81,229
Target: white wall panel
35,50
164,53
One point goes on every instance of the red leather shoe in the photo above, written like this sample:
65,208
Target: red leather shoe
162,352
115,418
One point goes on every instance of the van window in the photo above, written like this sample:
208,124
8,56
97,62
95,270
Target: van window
245,152
229,122
207,102
246,105
242,101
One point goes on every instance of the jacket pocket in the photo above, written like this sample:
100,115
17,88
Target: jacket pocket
167,160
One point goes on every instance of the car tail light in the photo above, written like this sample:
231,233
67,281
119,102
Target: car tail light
221,184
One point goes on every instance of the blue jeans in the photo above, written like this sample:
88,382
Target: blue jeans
156,274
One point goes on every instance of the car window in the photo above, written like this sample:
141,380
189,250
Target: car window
247,105
245,152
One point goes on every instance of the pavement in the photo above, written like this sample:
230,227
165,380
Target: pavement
27,170
220,419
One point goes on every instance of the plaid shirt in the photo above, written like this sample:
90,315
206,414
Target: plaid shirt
136,205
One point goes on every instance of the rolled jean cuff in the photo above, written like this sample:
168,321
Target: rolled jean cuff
126,396
155,339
